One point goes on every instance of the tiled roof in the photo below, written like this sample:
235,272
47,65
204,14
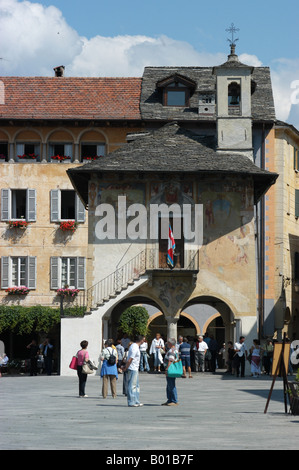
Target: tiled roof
168,150
70,98
151,104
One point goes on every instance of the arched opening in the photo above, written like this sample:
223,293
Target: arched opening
186,326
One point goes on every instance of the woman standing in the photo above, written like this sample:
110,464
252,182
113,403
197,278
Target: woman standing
109,368
156,347
256,354
82,356
171,391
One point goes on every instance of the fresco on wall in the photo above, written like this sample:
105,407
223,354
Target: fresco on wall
228,227
108,193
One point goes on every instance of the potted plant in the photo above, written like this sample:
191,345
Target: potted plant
2,157
20,290
60,158
67,292
30,157
21,223
68,226
89,159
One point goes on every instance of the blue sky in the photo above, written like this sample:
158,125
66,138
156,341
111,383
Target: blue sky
268,29
119,38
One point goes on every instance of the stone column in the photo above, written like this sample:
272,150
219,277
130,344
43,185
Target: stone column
172,327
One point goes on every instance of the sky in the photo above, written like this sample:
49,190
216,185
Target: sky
119,38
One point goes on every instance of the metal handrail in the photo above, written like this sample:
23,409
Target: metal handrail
131,271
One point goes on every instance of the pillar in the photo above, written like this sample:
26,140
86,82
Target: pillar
172,327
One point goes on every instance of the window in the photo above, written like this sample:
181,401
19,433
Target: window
60,150
296,163
89,150
66,205
67,271
18,204
296,202
18,271
27,151
3,151
176,90
176,94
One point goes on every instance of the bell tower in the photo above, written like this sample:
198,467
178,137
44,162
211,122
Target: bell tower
233,110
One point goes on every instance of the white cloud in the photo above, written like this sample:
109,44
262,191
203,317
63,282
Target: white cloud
284,72
35,38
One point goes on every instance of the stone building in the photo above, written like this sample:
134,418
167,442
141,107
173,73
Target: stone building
204,139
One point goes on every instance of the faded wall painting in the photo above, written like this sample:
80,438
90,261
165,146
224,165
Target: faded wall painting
228,232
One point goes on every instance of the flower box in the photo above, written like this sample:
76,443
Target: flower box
90,159
2,158
21,290
68,225
60,159
18,224
28,158
67,292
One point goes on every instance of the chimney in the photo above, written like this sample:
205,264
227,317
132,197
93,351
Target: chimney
59,71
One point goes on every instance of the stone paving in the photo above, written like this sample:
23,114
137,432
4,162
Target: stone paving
215,412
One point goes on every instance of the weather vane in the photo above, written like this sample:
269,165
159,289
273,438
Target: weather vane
232,29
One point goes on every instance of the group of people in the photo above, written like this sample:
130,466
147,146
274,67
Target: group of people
44,349
127,362
130,357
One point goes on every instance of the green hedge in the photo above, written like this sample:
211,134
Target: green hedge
25,320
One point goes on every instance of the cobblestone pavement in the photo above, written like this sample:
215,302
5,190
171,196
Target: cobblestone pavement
215,412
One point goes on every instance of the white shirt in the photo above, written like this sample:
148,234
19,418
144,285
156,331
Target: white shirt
134,353
202,346
242,348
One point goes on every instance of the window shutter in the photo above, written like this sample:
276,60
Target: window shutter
80,210
4,272
100,149
80,273
20,148
55,284
5,204
296,202
55,205
68,150
31,272
31,205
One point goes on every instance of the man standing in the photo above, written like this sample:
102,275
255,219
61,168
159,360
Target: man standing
132,366
240,355
47,350
201,348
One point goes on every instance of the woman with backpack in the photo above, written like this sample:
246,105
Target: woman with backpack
109,368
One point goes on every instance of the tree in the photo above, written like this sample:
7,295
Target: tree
134,320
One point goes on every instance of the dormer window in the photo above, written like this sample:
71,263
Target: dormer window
176,90
176,94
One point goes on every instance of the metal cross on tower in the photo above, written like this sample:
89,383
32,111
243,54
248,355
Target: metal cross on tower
232,29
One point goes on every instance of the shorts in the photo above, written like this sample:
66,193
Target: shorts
186,361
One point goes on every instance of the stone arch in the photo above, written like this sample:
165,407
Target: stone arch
205,310
58,130
92,134
29,133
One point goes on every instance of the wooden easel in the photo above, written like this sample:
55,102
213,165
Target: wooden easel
282,369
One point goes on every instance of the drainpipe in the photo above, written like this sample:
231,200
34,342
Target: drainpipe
262,248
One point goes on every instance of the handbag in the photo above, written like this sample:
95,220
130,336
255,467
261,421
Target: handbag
87,368
175,369
74,363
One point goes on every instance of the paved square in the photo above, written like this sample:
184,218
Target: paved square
215,412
